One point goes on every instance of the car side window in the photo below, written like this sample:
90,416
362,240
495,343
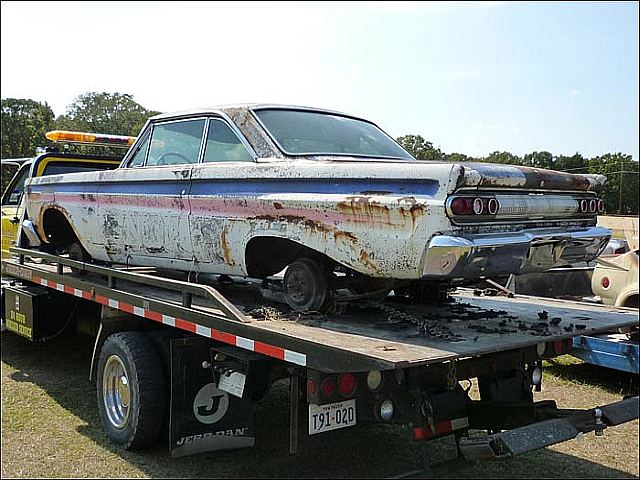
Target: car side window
223,145
141,152
15,190
175,143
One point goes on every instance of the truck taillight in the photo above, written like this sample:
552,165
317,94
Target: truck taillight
329,387
605,282
347,384
312,388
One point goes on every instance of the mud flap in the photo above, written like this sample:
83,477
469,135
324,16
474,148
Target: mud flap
548,432
203,417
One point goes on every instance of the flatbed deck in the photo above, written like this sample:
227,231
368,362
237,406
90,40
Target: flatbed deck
368,335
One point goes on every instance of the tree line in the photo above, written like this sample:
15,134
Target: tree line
24,123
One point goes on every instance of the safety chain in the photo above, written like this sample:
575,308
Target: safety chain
425,327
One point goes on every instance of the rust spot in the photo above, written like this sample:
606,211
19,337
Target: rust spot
364,256
339,234
361,206
226,251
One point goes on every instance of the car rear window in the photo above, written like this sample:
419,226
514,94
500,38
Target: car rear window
304,132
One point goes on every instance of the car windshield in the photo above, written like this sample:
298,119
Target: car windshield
302,132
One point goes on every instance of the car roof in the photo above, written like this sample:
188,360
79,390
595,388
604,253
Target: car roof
242,106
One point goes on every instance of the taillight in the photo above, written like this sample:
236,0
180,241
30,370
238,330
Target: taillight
600,205
493,206
593,205
329,387
474,206
346,384
605,282
478,206
312,388
462,206
584,206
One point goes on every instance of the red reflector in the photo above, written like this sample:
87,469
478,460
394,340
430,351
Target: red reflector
312,388
329,387
462,206
346,384
605,282
557,346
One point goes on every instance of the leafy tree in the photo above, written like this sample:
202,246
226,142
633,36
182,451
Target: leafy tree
420,148
540,160
621,190
24,123
503,157
113,113
458,157
576,163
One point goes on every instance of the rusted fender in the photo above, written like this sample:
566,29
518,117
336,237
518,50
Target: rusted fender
491,175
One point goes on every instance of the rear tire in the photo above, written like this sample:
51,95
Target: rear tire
305,286
131,390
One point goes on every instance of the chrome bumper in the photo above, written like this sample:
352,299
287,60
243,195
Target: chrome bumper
536,250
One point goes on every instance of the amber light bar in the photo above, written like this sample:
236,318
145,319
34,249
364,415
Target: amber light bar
101,139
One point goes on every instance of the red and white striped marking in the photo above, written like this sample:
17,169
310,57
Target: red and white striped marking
441,428
235,340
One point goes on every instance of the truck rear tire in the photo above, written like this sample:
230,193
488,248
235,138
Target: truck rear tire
131,390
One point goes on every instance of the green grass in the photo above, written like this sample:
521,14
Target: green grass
50,428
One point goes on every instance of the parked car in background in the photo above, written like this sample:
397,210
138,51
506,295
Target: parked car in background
251,189
615,279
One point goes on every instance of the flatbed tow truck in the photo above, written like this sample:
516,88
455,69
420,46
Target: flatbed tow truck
192,358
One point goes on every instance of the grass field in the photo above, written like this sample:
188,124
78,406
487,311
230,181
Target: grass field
50,428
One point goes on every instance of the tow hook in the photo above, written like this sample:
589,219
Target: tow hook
600,426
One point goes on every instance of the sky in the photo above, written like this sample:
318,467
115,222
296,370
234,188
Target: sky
471,77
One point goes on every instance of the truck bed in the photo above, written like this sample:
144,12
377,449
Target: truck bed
368,335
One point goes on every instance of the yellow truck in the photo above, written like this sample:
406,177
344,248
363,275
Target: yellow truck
51,162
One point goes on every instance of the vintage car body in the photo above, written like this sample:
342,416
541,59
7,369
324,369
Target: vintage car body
615,279
268,195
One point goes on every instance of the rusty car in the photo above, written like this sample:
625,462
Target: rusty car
330,198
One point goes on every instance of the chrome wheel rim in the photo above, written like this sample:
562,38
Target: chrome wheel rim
116,392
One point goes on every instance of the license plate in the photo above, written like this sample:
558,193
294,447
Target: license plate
331,416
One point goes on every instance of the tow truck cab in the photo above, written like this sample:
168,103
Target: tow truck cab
52,162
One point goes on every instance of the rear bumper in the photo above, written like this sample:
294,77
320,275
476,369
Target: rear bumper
535,250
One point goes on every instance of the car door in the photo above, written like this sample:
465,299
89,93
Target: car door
217,224
144,205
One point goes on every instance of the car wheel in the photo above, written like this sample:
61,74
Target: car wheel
305,286
131,390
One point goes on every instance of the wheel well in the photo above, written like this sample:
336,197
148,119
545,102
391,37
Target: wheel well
57,228
631,301
266,256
